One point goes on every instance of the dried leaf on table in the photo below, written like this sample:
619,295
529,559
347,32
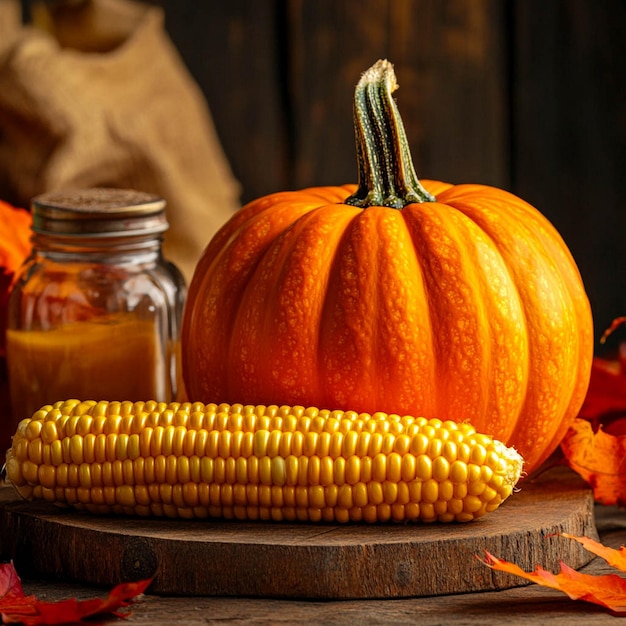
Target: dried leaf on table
17,608
615,558
10,583
607,590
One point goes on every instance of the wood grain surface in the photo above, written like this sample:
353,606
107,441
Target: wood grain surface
314,561
519,606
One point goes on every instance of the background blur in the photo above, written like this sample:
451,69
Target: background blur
527,95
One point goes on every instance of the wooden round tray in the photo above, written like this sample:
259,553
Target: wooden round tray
315,561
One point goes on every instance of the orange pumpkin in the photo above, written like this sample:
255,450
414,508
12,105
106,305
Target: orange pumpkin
459,302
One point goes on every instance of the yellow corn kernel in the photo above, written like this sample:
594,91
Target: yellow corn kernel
133,448
435,447
359,494
323,444
291,469
458,472
265,470
394,467
402,444
430,491
303,471
258,463
331,494
247,443
424,467
409,467
46,476
128,472
219,470
344,497
379,467
30,471
375,444
375,492
327,471
49,431
441,469
403,496
278,472
363,443
239,495
365,463
389,440
297,442
340,470
284,449
353,470
35,451
316,497
313,471
390,491
350,441
273,443
310,444
446,490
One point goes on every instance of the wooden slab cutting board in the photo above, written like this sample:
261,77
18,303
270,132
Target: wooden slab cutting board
316,561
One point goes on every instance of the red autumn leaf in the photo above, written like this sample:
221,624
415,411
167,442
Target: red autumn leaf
17,608
12,599
607,590
10,583
606,395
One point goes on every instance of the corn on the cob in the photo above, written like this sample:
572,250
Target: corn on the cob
194,460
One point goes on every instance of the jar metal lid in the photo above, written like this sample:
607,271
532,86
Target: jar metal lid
98,212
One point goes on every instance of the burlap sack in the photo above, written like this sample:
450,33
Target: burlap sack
93,93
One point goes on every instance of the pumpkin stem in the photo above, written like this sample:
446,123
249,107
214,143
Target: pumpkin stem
386,173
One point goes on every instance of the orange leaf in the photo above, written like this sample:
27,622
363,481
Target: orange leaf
16,608
608,590
616,558
600,458
15,246
595,445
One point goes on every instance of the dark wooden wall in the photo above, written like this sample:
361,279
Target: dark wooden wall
527,95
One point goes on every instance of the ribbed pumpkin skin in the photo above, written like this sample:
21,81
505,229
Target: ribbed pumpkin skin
468,308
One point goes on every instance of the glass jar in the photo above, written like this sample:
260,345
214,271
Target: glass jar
96,311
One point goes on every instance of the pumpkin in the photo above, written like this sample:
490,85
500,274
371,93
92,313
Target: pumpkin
15,246
454,301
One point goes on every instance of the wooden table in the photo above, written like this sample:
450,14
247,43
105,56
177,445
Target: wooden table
522,605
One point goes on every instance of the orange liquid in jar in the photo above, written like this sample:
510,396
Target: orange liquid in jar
118,357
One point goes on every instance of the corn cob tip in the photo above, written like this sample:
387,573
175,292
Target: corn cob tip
514,462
